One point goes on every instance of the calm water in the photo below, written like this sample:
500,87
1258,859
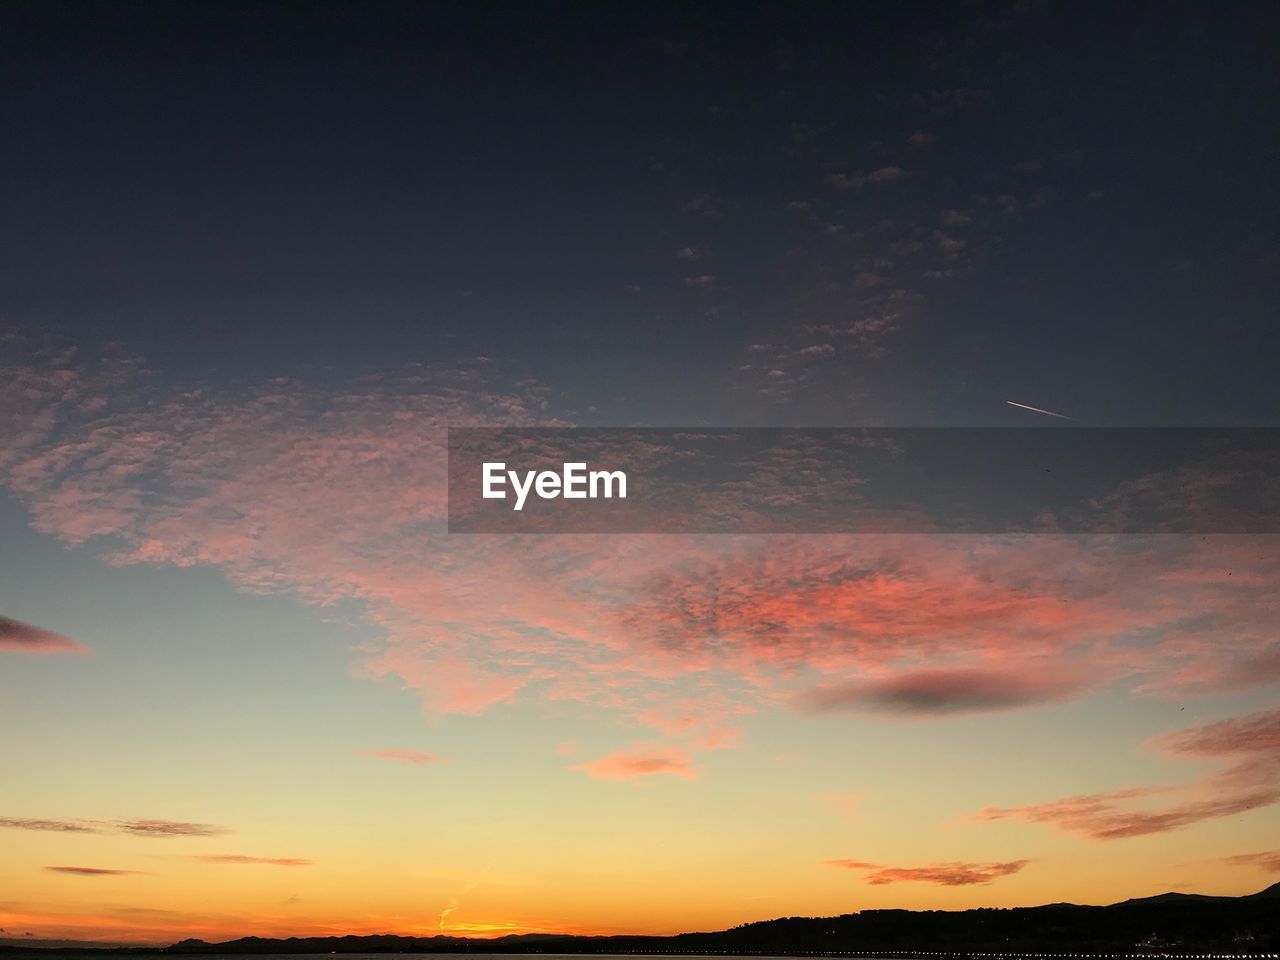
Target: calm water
123,955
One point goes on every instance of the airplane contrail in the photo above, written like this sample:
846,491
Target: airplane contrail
1047,413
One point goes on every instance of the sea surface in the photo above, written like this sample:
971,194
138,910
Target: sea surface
473,954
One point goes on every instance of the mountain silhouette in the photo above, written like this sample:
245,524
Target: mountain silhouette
1175,897
1167,923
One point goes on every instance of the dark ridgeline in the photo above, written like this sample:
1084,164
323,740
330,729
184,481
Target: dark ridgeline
1170,923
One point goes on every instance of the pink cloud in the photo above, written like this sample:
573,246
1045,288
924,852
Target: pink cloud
338,494
1106,816
1248,745
1253,735
943,874
235,858
92,871
18,637
639,763
1268,860
417,758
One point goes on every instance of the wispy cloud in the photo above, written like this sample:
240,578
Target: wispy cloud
1249,745
1110,816
236,858
92,871
19,637
169,828
56,826
1268,860
953,874
137,828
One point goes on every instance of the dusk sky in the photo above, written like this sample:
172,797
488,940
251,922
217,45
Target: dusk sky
259,257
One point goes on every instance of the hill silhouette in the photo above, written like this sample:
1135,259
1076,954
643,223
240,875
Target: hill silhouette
1169,923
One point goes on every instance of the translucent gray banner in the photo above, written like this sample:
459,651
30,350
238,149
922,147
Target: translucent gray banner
864,480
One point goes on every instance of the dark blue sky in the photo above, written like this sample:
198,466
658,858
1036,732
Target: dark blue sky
763,213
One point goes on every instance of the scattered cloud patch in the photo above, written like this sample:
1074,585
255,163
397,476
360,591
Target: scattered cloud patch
854,181
885,175
846,181
336,492
704,207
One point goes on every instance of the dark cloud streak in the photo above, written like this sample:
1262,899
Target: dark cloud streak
935,692
19,637
951,874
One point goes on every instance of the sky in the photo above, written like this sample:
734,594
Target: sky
258,258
